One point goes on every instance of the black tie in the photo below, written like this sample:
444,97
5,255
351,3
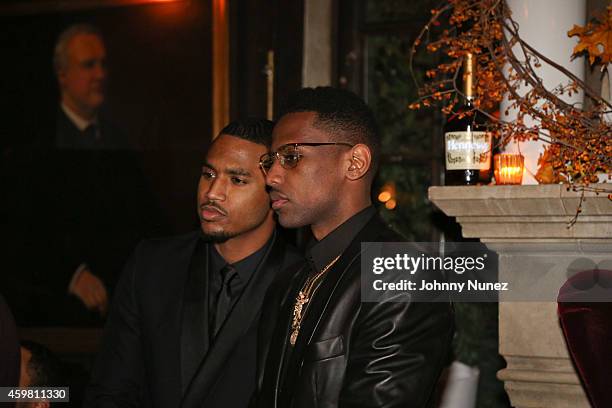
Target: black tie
224,299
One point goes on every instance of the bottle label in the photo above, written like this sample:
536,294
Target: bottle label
468,150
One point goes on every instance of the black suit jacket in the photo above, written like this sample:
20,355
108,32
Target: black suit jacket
156,351
68,136
349,353
70,199
62,208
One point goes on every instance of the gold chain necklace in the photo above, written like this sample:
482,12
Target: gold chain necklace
303,298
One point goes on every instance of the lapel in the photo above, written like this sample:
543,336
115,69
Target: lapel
194,316
66,132
278,331
239,320
326,292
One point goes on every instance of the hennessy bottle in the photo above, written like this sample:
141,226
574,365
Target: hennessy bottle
467,143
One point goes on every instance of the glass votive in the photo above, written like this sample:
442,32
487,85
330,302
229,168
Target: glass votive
508,168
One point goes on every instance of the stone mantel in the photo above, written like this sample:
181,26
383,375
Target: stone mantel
539,371
541,212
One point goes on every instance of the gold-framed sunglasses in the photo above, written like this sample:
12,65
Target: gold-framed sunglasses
289,154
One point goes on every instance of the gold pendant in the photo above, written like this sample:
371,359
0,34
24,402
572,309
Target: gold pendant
298,308
303,298
294,334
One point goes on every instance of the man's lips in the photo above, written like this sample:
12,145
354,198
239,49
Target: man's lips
211,213
278,200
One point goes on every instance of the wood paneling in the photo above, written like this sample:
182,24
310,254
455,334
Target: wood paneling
15,8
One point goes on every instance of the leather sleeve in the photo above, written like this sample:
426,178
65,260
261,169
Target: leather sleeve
118,374
397,354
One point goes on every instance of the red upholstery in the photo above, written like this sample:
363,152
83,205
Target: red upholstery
587,327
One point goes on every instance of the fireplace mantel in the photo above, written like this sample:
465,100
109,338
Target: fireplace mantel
542,212
539,371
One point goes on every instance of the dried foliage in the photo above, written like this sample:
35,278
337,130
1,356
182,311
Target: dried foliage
595,39
580,141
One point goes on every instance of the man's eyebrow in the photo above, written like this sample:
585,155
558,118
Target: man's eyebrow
232,171
208,165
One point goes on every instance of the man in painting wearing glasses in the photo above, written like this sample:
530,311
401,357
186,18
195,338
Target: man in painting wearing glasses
328,348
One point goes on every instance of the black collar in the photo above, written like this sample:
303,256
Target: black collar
321,253
245,267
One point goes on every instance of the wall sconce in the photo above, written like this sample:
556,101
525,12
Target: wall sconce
509,168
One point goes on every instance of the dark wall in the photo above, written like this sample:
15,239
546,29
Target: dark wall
257,26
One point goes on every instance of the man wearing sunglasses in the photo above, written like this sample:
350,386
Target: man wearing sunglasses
329,349
183,327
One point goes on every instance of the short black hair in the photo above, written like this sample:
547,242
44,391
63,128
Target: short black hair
340,112
254,130
44,368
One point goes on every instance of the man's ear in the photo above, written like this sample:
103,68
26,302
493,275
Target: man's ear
359,162
60,74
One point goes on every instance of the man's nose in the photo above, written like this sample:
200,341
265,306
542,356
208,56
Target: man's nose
217,190
100,71
274,176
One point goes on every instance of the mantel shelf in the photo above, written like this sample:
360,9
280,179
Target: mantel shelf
535,212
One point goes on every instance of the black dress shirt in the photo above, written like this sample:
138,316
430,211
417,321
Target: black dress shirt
244,271
320,253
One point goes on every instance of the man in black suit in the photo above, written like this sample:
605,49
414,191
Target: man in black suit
79,60
329,348
183,327
90,195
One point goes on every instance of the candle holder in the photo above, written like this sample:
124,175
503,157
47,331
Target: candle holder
508,168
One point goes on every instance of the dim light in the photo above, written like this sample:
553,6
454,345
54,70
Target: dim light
391,204
509,168
384,196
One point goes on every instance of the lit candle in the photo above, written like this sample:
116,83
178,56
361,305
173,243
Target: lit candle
508,168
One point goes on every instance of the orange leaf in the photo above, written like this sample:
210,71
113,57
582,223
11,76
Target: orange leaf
595,39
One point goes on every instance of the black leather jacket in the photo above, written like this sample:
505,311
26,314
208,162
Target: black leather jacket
349,353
